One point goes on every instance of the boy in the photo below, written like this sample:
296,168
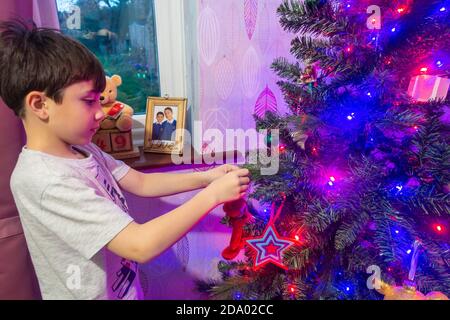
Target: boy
82,241
158,126
169,126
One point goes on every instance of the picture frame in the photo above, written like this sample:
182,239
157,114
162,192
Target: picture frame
164,125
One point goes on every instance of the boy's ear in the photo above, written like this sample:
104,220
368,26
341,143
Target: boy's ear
35,101
117,80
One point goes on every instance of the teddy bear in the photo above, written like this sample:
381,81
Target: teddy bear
117,114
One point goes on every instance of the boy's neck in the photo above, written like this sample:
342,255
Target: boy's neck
67,152
58,149
40,140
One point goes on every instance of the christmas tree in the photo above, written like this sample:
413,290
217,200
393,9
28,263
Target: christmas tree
364,156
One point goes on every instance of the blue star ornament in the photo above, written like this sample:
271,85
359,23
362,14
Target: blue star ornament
270,248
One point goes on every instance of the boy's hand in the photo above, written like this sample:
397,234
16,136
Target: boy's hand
229,187
217,173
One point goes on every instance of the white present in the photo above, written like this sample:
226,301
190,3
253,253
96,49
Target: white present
426,87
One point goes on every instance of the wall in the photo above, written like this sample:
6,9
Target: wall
238,40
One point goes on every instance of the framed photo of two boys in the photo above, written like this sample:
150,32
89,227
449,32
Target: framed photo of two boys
164,125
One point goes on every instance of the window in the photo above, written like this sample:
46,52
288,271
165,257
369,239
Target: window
122,34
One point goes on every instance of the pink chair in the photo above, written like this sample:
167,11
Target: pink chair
17,277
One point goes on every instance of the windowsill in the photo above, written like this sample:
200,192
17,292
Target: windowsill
148,160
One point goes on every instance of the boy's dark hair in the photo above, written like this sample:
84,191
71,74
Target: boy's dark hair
168,108
160,113
41,59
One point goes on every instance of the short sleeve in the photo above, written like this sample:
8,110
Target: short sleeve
81,217
118,168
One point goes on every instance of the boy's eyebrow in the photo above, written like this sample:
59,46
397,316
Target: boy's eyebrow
95,92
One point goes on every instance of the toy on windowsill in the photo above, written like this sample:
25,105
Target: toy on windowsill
114,135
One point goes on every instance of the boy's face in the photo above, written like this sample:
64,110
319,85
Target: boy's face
78,117
159,118
168,114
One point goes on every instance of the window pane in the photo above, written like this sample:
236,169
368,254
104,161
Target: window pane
122,34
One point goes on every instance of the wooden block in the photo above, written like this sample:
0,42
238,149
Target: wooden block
121,141
135,153
116,143
103,141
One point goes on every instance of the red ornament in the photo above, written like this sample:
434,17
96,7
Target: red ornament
270,247
238,213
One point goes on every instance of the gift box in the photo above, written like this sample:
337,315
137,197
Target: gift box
426,87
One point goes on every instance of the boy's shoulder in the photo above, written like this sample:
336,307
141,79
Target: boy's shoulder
36,169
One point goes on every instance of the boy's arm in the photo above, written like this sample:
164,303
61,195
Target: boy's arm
164,184
142,242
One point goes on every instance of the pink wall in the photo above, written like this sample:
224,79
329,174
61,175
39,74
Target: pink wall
238,41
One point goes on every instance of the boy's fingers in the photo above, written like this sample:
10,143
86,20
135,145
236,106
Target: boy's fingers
242,172
244,180
231,167
243,188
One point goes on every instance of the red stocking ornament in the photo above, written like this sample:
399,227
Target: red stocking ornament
238,213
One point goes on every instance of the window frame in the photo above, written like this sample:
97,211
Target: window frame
178,60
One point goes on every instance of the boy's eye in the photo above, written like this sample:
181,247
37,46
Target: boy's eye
90,102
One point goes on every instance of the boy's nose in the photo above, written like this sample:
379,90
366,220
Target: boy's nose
99,116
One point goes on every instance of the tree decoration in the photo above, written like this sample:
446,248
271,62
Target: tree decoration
408,291
309,77
238,215
270,247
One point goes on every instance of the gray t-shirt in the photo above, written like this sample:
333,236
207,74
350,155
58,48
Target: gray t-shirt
70,209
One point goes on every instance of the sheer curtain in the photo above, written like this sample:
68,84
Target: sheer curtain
45,13
17,278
